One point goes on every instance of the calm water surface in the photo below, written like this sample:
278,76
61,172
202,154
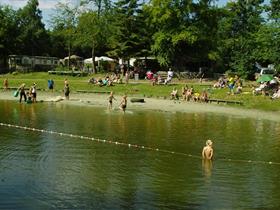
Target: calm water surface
48,171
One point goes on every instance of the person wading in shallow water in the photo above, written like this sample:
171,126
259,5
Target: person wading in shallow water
66,91
207,152
110,100
123,103
22,93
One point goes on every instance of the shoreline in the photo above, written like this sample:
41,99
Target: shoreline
153,104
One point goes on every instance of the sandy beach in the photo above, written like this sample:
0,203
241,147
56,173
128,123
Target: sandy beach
165,105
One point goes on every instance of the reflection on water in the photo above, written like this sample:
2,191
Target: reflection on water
42,170
207,166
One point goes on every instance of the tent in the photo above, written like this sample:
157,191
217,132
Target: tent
102,58
265,78
88,61
105,58
73,57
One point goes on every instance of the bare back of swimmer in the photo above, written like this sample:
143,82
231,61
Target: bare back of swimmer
207,152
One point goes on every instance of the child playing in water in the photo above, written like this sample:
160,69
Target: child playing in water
110,98
207,152
123,103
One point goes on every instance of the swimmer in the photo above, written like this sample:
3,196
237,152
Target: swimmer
123,103
207,152
110,98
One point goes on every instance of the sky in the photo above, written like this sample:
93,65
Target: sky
47,6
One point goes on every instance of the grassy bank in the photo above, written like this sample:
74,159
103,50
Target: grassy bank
143,88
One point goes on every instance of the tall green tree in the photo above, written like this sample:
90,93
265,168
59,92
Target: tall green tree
237,35
64,24
274,10
33,36
127,37
8,33
266,50
183,31
94,26
269,35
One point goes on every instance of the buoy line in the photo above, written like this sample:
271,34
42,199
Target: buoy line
129,145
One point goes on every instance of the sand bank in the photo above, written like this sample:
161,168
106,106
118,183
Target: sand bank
165,105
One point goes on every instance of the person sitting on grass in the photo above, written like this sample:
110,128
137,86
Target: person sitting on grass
196,97
184,92
160,80
189,94
238,89
174,94
276,94
204,96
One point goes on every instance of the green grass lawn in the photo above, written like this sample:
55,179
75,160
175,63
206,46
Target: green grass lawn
143,88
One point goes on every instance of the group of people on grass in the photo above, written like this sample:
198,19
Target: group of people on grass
268,88
234,83
109,80
189,94
157,79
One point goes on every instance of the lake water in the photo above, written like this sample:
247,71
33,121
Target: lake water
44,170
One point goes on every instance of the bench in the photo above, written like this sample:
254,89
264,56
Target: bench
225,101
93,91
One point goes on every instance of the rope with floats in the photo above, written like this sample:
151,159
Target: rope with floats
127,144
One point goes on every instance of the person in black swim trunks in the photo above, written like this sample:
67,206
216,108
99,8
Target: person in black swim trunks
123,103
110,98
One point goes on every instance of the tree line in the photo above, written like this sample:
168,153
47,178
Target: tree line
182,34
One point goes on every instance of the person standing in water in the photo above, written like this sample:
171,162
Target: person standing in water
207,152
123,103
110,98
22,93
33,93
66,91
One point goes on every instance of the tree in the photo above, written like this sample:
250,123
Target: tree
33,36
94,26
65,23
8,32
237,30
127,39
184,31
274,10
267,49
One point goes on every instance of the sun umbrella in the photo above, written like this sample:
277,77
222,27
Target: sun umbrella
265,78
